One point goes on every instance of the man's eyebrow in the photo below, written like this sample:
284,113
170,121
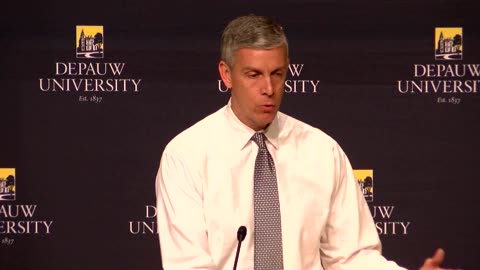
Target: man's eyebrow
247,69
279,69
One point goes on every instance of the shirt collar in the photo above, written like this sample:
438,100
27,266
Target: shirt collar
242,134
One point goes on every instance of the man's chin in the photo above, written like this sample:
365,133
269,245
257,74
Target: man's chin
265,121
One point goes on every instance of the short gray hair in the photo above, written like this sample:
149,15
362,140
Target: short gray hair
251,31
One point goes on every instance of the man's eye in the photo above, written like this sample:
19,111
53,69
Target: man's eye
252,75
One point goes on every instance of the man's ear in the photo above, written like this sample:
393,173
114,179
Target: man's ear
225,73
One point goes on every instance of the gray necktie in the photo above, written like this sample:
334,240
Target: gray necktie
268,253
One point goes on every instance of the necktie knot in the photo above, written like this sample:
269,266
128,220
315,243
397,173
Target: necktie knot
259,139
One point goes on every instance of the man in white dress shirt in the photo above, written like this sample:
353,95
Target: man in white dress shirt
205,180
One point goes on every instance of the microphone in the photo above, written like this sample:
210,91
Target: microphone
241,233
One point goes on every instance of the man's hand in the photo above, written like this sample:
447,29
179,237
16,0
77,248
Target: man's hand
434,262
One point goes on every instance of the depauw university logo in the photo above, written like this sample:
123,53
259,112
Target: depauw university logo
365,180
7,184
89,42
448,43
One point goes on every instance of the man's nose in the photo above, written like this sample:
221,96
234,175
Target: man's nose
267,88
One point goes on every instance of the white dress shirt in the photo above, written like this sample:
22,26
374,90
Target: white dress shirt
205,192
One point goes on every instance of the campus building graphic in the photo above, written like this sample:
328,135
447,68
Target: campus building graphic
90,41
448,43
7,184
365,180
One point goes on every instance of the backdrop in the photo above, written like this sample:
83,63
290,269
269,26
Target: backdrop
92,91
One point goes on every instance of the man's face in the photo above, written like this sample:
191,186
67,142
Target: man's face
256,82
